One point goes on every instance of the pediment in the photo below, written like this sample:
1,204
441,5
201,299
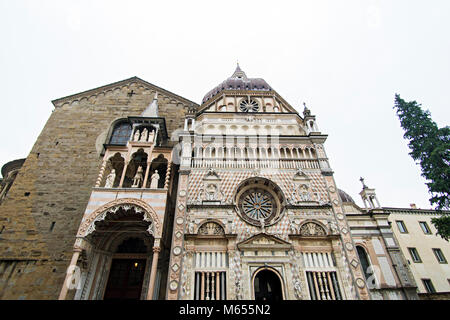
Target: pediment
211,176
91,95
301,176
264,241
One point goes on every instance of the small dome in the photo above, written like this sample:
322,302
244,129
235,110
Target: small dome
345,197
238,81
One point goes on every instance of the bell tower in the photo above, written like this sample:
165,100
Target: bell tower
369,196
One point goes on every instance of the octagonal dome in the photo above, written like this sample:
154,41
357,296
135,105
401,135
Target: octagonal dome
238,81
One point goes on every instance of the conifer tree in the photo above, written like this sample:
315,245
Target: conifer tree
430,147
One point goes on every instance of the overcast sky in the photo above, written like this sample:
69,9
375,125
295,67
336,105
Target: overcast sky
345,59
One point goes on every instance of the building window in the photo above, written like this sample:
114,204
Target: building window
323,286
210,286
401,226
439,255
414,254
121,134
365,264
425,227
428,285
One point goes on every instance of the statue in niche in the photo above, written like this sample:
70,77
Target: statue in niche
144,135
137,180
155,179
137,134
110,179
151,136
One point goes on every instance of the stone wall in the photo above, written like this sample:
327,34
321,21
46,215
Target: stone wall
55,183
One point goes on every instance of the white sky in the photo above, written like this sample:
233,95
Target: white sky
345,59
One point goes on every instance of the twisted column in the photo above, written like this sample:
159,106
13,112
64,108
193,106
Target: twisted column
169,169
100,175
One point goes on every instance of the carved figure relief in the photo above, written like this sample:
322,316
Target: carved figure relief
211,190
304,193
301,188
312,229
293,227
333,227
191,227
211,229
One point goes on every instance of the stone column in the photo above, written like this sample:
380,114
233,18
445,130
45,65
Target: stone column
151,285
144,184
73,263
125,167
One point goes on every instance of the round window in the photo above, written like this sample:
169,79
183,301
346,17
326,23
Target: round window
249,106
257,204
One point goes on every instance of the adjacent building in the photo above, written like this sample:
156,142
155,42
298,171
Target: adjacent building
427,253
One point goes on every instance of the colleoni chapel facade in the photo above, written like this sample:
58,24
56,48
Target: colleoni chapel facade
133,192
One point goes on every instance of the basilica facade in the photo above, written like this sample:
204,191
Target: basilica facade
230,199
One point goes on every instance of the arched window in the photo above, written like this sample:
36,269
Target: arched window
121,133
365,263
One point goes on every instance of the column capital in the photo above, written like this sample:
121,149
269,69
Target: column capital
156,249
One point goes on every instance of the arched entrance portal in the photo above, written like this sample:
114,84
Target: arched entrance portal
127,271
267,286
119,244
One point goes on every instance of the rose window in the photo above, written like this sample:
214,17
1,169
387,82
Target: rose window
249,106
257,205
